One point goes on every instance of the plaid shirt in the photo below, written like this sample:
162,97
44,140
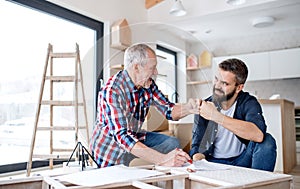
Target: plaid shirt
121,111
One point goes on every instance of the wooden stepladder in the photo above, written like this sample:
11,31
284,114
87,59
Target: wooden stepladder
49,82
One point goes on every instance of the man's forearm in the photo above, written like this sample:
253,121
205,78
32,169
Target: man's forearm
180,111
176,157
142,151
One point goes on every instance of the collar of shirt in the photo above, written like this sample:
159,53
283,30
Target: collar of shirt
129,81
132,87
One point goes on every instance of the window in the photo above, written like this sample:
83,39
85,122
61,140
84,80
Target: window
167,72
25,33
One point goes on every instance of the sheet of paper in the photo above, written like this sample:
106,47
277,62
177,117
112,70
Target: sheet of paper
108,175
204,165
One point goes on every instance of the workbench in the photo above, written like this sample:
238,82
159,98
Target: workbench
158,177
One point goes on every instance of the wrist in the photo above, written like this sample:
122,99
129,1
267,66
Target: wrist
219,118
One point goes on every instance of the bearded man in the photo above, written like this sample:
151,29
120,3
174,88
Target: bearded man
230,127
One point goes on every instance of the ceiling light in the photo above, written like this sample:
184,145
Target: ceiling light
177,9
235,2
261,22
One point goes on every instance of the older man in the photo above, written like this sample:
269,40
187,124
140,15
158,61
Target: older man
123,106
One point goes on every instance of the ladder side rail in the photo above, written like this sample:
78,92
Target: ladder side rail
51,113
76,109
84,103
29,163
83,95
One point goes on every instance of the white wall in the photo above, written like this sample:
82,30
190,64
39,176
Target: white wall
287,89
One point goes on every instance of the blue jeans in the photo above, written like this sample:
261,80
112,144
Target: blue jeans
257,155
157,141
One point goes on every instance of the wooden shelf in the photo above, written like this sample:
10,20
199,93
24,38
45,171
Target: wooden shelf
196,68
197,82
117,67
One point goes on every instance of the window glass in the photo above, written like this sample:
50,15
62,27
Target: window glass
166,78
25,35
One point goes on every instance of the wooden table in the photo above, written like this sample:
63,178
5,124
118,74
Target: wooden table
173,178
227,176
237,177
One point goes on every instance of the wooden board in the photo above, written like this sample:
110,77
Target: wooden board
151,3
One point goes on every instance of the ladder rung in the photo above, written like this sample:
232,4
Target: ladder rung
58,128
51,156
60,103
63,55
62,150
61,78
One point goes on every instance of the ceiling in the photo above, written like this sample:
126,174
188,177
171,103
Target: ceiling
214,22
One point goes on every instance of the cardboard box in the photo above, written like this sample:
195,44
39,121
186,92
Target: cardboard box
183,131
155,121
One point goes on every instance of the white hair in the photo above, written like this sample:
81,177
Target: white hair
138,54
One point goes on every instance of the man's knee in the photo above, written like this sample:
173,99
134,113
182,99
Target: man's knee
266,147
173,142
269,142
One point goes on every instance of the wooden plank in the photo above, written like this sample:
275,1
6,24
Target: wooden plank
37,115
143,185
61,78
117,67
288,136
197,82
51,156
166,177
197,68
63,55
151,3
58,128
49,182
60,103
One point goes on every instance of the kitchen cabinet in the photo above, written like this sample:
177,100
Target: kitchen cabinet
278,64
279,117
285,63
258,64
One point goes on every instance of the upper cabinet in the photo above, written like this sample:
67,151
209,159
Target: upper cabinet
285,63
269,65
258,65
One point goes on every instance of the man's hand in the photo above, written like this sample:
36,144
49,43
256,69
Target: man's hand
193,105
181,110
175,158
198,156
209,111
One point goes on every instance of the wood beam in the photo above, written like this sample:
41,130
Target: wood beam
151,3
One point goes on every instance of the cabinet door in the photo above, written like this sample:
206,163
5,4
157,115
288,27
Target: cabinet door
258,65
285,63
